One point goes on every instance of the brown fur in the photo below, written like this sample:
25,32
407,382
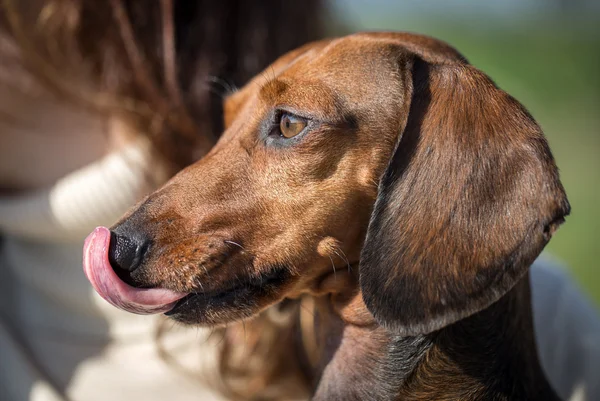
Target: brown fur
407,214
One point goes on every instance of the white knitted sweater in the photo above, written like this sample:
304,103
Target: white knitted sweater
58,339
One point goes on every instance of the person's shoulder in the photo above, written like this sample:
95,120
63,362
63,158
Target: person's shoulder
555,293
567,328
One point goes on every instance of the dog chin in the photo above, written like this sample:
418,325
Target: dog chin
244,299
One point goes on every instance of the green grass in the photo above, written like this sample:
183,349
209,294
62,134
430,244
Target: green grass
552,66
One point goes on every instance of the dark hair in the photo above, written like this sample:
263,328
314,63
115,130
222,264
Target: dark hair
156,63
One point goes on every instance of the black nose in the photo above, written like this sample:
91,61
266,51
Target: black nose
126,252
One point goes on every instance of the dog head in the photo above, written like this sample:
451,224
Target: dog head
383,153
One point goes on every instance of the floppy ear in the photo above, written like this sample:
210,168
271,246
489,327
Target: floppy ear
468,201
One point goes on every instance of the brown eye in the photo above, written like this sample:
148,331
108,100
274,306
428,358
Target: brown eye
290,125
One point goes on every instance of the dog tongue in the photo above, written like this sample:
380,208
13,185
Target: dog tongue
105,281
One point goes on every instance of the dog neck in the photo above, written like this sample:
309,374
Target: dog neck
488,356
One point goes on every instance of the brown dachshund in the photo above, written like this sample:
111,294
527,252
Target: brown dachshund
387,181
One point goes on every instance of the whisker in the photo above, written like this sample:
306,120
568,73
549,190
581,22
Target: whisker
228,86
213,90
272,72
332,265
199,283
197,280
234,243
343,257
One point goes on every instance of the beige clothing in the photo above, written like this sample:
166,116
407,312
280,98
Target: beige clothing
58,339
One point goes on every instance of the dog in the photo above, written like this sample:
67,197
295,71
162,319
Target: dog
388,182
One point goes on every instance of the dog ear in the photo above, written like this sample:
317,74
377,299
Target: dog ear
468,201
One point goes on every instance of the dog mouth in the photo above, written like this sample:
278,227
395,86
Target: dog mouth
241,297
97,268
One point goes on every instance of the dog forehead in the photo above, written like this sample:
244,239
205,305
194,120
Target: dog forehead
360,61
351,59
359,71
344,74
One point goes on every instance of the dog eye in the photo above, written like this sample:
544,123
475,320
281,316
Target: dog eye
291,125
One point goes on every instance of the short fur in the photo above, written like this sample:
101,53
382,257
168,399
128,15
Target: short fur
404,218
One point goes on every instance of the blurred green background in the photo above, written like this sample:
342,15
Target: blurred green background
547,55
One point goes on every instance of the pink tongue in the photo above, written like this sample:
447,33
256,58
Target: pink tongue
98,270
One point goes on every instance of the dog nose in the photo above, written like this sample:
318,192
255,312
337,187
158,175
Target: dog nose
126,252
